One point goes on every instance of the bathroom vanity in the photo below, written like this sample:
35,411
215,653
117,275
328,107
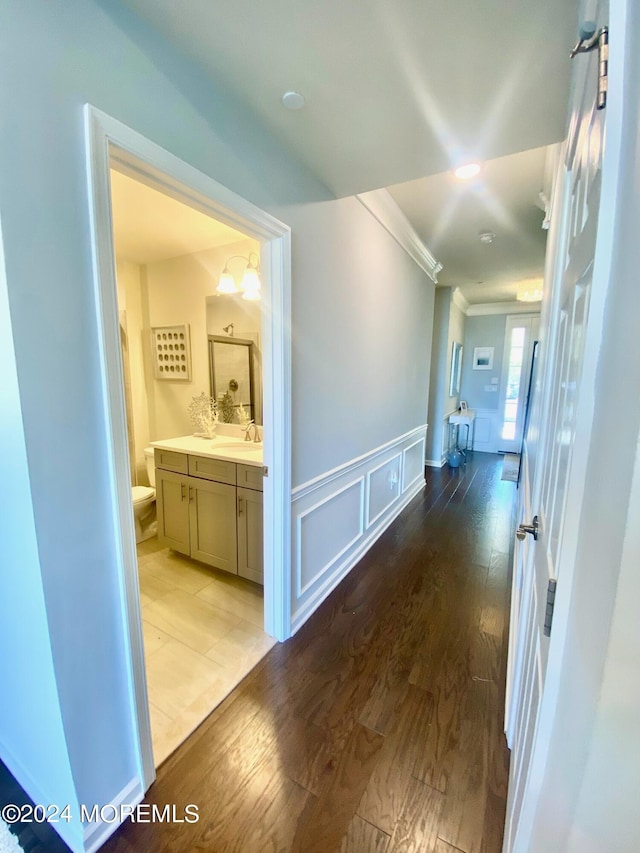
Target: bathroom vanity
209,502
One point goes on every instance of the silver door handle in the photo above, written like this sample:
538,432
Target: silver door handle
182,491
532,528
240,506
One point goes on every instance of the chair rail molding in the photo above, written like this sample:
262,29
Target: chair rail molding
356,503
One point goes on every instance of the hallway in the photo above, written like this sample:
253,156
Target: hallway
378,727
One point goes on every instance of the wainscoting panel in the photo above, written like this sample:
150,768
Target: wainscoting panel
444,433
383,488
413,464
487,430
337,516
341,513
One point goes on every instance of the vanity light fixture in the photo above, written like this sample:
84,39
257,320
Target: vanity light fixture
250,285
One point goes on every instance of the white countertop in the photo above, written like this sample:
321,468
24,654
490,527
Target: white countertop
221,447
462,417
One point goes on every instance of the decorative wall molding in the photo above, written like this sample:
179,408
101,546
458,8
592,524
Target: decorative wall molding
382,207
459,301
322,479
484,309
338,516
302,584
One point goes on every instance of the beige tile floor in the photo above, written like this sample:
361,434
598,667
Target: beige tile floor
202,635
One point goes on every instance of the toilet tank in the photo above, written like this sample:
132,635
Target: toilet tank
151,468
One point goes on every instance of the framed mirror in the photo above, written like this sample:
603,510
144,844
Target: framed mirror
231,371
456,369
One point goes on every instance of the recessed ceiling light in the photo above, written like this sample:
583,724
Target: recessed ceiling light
293,100
486,237
465,173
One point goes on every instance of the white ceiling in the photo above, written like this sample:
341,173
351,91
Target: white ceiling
400,91
449,215
150,226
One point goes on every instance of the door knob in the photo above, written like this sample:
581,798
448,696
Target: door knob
532,528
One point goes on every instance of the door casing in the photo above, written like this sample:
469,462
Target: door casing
110,141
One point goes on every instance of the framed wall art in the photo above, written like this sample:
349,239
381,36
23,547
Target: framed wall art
171,352
483,358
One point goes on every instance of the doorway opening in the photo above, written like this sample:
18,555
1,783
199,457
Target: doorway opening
110,144
202,618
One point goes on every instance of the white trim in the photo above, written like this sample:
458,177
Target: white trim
458,299
301,590
322,479
482,309
322,490
435,463
382,207
312,604
95,834
106,136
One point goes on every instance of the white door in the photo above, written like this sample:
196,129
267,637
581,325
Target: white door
555,446
520,333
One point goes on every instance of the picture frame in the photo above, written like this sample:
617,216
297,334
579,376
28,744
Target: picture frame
171,352
463,406
483,358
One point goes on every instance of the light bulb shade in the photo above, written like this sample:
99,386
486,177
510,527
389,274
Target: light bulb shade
251,295
226,283
250,281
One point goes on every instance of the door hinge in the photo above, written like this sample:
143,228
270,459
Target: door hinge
598,40
551,600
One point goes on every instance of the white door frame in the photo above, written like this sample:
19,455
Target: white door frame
108,139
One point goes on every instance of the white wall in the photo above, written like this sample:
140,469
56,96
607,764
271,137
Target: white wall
362,314
32,737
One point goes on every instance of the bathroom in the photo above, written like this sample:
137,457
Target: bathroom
203,626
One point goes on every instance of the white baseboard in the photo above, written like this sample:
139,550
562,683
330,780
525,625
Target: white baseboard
95,834
338,516
435,463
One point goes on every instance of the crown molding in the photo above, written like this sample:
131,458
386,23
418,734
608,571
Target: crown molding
383,208
457,297
484,309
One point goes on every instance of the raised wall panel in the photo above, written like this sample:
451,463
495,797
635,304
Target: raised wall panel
413,464
338,515
342,513
383,488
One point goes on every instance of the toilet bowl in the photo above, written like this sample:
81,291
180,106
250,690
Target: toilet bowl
144,502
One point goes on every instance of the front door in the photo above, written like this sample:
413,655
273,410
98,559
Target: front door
555,446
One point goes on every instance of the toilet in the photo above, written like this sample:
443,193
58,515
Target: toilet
144,500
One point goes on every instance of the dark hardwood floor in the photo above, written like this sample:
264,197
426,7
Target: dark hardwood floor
378,727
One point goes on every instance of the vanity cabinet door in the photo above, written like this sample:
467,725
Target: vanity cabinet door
250,551
213,524
172,501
